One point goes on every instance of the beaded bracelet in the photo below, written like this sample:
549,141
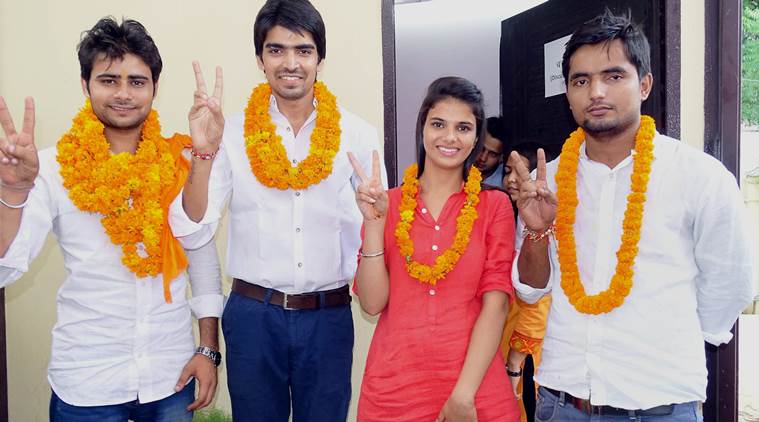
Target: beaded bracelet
205,156
537,236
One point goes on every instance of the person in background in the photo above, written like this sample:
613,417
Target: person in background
489,159
526,324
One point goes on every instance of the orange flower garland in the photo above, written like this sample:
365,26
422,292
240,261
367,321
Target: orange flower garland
445,262
126,189
566,180
267,155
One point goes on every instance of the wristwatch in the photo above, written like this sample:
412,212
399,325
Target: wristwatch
210,354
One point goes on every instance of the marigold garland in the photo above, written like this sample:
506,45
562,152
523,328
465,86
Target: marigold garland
566,180
267,155
128,190
445,262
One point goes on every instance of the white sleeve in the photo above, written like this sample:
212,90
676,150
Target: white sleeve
193,235
205,279
36,223
723,254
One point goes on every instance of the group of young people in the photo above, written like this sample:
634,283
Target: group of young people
639,239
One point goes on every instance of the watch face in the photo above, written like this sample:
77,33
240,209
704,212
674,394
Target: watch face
217,358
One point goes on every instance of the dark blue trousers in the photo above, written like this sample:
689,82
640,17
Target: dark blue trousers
277,358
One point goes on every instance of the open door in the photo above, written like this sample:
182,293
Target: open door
532,94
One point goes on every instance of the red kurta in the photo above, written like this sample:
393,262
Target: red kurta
423,334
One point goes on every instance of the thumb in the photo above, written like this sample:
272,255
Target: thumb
183,378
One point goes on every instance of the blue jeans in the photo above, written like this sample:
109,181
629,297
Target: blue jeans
170,409
276,355
550,408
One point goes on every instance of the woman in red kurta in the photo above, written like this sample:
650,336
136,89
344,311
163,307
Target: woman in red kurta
434,354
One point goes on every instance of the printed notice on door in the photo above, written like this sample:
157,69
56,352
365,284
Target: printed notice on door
553,52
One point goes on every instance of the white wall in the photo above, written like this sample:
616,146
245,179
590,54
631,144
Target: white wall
442,38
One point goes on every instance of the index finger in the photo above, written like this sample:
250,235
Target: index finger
376,165
522,171
200,83
6,121
541,164
218,87
28,127
357,168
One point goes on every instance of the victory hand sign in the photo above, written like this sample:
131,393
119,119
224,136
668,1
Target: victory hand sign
206,118
370,195
19,163
536,203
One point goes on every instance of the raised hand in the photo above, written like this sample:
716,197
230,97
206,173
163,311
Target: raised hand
206,117
19,163
536,203
370,195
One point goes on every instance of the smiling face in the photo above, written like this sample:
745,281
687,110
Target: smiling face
449,134
290,62
604,90
121,91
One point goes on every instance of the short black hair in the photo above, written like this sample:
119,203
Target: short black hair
297,16
606,28
496,127
460,89
107,39
529,150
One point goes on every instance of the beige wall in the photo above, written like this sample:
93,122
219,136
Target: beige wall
37,43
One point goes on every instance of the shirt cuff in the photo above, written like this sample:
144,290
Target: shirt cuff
191,234
526,292
205,306
16,260
717,338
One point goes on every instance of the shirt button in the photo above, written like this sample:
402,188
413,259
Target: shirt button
437,228
295,161
434,247
297,193
288,129
297,230
300,264
424,210
432,292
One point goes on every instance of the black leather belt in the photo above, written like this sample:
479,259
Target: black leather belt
584,406
313,300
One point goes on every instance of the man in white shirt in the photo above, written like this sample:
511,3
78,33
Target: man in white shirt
294,227
651,252
123,347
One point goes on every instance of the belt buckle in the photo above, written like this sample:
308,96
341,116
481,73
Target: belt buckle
285,304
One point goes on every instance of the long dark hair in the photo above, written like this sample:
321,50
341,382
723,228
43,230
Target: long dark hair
464,91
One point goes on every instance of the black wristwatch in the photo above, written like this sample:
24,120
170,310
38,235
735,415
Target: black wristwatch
210,354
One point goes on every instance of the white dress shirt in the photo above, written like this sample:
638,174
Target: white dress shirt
692,280
295,241
116,339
